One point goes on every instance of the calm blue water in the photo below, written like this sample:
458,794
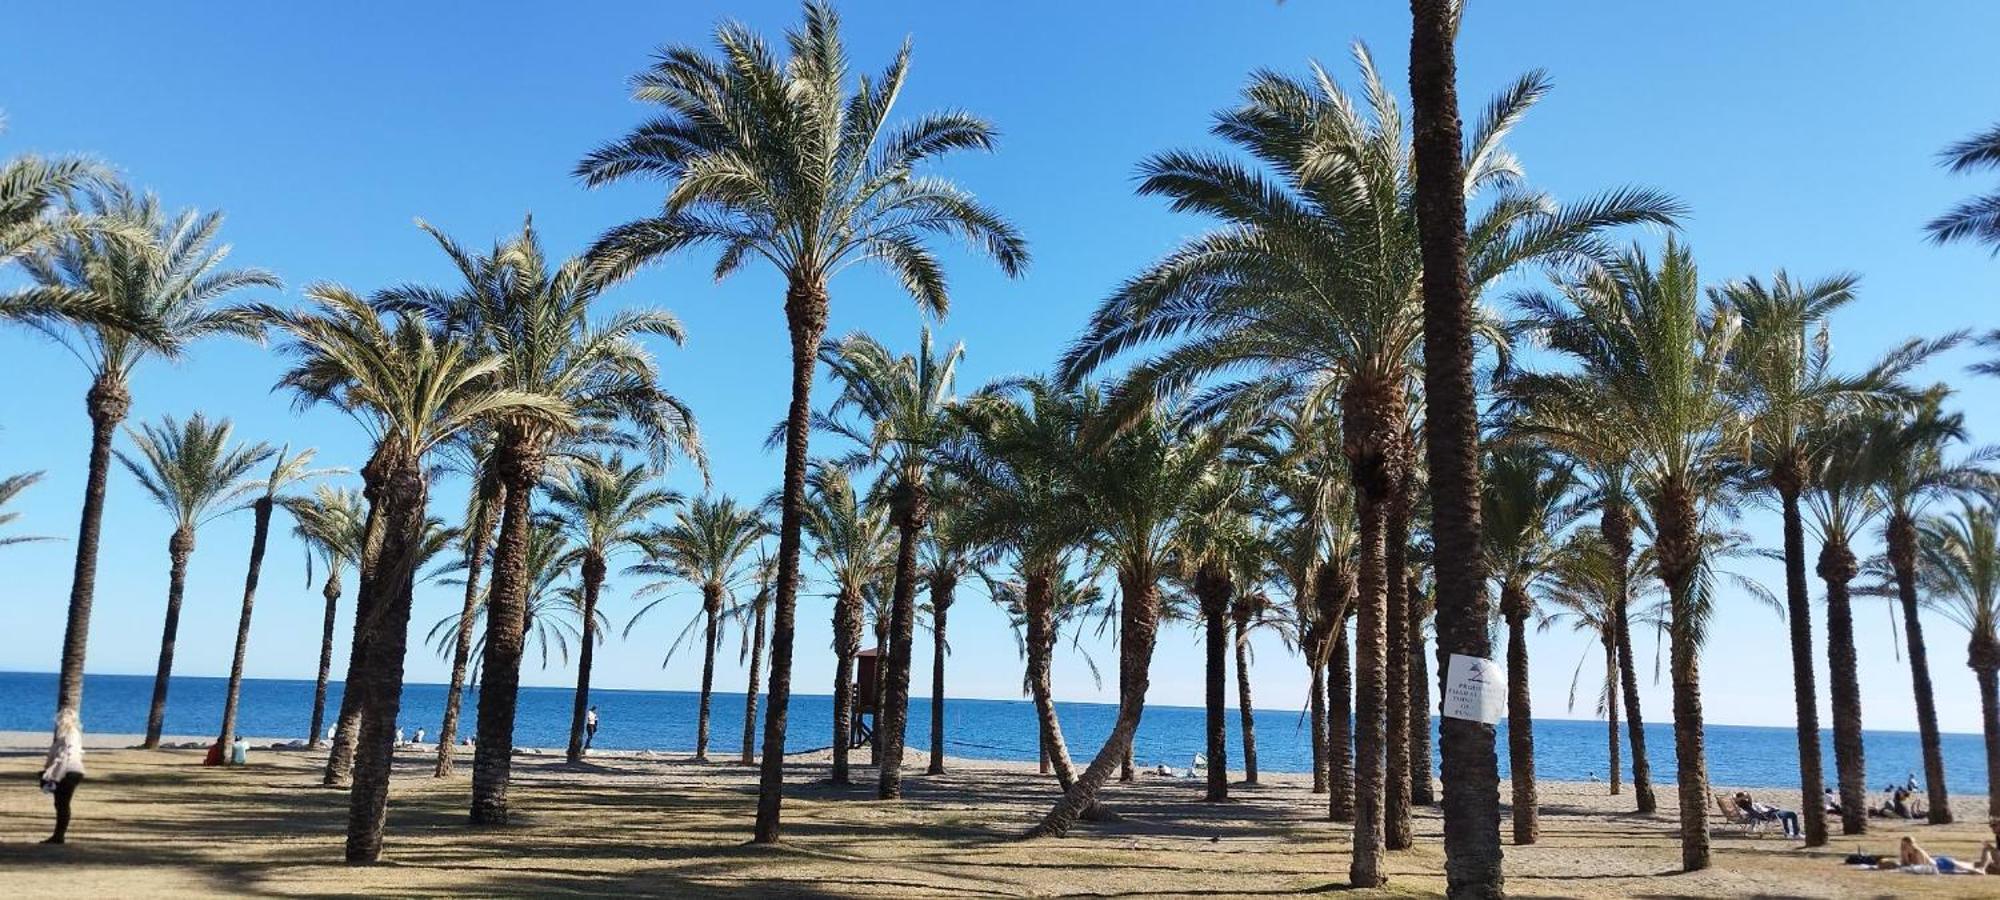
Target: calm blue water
1565,750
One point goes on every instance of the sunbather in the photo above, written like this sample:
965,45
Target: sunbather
1911,858
1762,812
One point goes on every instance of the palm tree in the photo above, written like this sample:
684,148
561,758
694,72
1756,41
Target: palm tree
537,318
1060,601
191,470
1584,591
472,457
778,159
1977,219
1250,609
949,552
11,487
1213,539
411,390
707,546
1912,469
1961,556
764,570
902,410
850,537
36,211
171,281
602,505
1528,505
555,614
1653,376
331,524
286,470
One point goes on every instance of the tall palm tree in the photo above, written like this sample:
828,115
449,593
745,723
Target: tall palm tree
1977,219
850,538
171,280
11,487
764,570
1528,504
286,470
473,456
1961,556
1584,592
602,505
37,209
1213,538
1913,469
901,411
708,545
331,524
949,552
1251,608
780,159
1652,375
193,472
537,317
411,389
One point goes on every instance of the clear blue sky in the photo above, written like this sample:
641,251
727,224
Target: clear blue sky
1801,137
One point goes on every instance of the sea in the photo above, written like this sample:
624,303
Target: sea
664,721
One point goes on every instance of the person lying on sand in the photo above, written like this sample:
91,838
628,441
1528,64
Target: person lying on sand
1912,859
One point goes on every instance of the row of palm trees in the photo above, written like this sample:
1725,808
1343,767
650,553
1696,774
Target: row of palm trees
1284,370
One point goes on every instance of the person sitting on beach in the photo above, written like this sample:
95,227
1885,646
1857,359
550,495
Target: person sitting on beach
64,769
1832,802
1761,812
419,738
1899,803
1912,859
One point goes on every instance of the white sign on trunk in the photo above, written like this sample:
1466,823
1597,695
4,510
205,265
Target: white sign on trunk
1475,688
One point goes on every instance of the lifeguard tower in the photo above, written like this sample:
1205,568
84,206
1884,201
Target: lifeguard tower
863,728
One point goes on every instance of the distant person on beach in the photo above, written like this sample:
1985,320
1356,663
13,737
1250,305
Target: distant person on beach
420,737
1832,802
64,769
1763,812
589,727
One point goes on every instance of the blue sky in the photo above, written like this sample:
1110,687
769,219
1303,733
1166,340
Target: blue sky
1803,142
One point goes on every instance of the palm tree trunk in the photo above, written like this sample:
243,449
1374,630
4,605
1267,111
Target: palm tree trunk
593,581
892,718
881,685
1041,640
846,643
108,402
711,611
1617,528
347,728
1396,670
1340,729
1678,527
943,586
1246,715
1611,709
1213,588
1805,696
261,533
1422,789
1985,659
332,594
1138,626
179,548
479,539
381,660
518,462
1371,414
1837,568
1316,719
1902,534
750,692
1514,605
1472,793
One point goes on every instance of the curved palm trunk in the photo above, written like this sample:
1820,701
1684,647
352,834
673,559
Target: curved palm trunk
1902,534
1984,657
518,462
108,402
1677,548
1520,716
480,539
1837,567
1611,709
1316,719
179,548
846,643
1396,670
261,533
332,594
1340,729
1422,790
750,692
1213,588
381,660
893,715
943,587
347,728
1805,695
1617,528
711,606
593,582
1472,793
1138,626
1246,715
1041,640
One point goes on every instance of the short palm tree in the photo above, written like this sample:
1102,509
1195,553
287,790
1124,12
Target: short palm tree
602,505
11,487
194,473
332,525
1840,506
949,551
287,470
1977,219
708,545
764,572
1213,541
1961,566
537,318
411,389
780,160
555,619
172,280
1583,591
1250,609
851,539
1064,602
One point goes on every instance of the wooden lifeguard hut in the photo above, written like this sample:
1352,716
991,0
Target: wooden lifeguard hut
865,686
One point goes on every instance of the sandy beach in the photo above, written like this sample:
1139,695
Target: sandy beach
159,824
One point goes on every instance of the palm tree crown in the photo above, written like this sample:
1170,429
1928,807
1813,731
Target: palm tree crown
1977,219
190,468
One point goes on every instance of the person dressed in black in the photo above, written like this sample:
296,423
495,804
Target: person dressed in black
64,770
1764,812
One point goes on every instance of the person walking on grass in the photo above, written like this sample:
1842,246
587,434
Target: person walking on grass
64,769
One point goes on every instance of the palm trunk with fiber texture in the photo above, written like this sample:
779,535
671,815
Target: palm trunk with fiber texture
478,541
179,548
347,728
259,535
1472,792
1396,670
380,684
846,643
711,610
1316,715
893,720
518,462
943,586
108,402
1677,548
1983,654
332,594
1611,710
1041,641
1423,791
1617,528
1246,713
881,685
750,692
1805,695
1340,729
1371,421
1837,567
1902,539
1138,626
1212,587
1514,605
593,581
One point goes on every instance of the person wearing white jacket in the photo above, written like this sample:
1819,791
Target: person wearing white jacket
64,770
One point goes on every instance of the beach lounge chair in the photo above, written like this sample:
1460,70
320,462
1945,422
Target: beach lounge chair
1731,815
